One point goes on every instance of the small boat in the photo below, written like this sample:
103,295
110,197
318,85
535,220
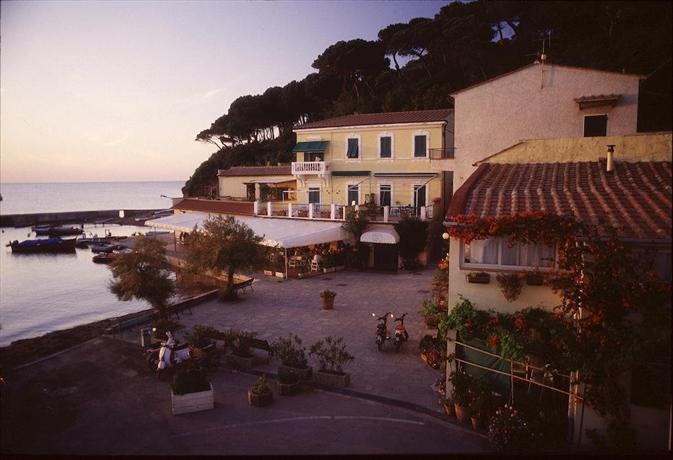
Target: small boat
82,243
55,244
41,230
104,258
102,247
60,230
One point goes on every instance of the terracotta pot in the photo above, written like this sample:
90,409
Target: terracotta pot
327,302
259,399
448,409
475,423
461,413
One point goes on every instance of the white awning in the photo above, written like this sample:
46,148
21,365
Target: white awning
284,233
383,235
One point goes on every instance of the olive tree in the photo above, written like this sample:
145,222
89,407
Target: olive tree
141,274
224,245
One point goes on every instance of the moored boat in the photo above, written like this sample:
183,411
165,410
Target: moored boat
61,230
97,248
41,230
54,244
104,258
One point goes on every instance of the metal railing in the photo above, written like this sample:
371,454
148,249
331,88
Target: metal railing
442,154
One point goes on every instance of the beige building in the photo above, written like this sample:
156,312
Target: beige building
539,101
252,183
571,177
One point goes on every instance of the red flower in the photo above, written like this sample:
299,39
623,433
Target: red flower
519,322
493,341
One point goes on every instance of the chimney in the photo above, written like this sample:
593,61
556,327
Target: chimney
611,159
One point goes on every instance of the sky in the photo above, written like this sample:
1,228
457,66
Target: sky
117,90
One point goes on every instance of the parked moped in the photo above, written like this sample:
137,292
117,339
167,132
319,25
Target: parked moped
401,334
168,354
382,330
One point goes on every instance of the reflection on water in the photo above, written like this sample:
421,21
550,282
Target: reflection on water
40,293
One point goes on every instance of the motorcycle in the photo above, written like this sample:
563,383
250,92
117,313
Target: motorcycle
382,330
168,354
401,334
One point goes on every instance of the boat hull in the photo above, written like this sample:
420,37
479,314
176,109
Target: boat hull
52,245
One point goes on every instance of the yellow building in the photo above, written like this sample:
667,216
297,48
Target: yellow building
379,158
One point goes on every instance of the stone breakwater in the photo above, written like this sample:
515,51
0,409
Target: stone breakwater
131,217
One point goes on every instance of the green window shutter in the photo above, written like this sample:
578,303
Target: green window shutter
420,144
386,147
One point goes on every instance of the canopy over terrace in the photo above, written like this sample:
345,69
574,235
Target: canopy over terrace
282,233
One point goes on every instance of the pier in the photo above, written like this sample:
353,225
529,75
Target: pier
112,216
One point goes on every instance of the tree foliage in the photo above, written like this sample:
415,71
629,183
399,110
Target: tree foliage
413,238
141,274
224,245
463,44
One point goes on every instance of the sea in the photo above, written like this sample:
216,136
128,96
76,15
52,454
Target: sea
40,293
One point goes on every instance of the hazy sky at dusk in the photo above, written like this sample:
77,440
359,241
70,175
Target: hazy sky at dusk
107,91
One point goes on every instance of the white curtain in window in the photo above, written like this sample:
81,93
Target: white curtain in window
482,252
509,255
536,255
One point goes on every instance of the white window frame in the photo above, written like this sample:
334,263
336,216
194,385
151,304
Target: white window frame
607,123
501,267
392,146
378,197
353,184
427,144
308,194
413,193
360,150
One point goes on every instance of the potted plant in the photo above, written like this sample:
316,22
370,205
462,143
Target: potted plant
478,409
260,394
292,355
461,394
478,277
510,285
448,406
431,312
241,356
327,299
191,391
289,382
430,349
201,340
332,356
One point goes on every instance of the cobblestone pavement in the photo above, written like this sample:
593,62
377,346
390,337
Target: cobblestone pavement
276,307
100,399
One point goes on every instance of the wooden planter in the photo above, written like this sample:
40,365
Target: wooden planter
192,402
260,399
332,380
327,302
481,278
303,374
241,362
461,413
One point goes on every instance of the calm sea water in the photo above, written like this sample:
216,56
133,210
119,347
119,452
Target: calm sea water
40,293
86,196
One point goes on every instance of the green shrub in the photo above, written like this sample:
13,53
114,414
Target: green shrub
331,354
290,351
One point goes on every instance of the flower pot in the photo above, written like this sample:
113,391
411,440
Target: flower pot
331,379
192,402
303,374
259,399
461,413
241,362
475,423
327,302
448,408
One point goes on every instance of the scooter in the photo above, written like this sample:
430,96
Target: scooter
401,334
169,354
382,330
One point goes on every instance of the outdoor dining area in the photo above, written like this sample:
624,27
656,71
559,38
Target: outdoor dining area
306,261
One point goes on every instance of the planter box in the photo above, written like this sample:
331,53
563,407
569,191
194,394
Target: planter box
259,400
479,279
268,272
288,389
192,402
241,362
332,380
304,374
329,270
280,275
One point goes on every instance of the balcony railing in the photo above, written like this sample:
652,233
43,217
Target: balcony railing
442,154
309,167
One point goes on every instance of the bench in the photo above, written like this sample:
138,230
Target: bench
247,284
259,345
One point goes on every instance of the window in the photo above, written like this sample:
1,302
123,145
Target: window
353,148
386,146
353,194
385,195
314,195
595,125
497,251
420,146
419,196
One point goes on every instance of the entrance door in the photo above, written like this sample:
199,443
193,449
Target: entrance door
419,197
385,256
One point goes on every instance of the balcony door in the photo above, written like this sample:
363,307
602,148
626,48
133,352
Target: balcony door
419,197
313,156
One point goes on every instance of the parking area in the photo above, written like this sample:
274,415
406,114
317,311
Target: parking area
276,307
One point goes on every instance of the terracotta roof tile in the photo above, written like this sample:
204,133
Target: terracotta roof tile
241,208
382,118
285,170
634,197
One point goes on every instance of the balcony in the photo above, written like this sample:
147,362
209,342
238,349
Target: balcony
309,167
442,154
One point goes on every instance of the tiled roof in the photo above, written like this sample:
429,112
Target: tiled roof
634,197
382,118
241,208
285,170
